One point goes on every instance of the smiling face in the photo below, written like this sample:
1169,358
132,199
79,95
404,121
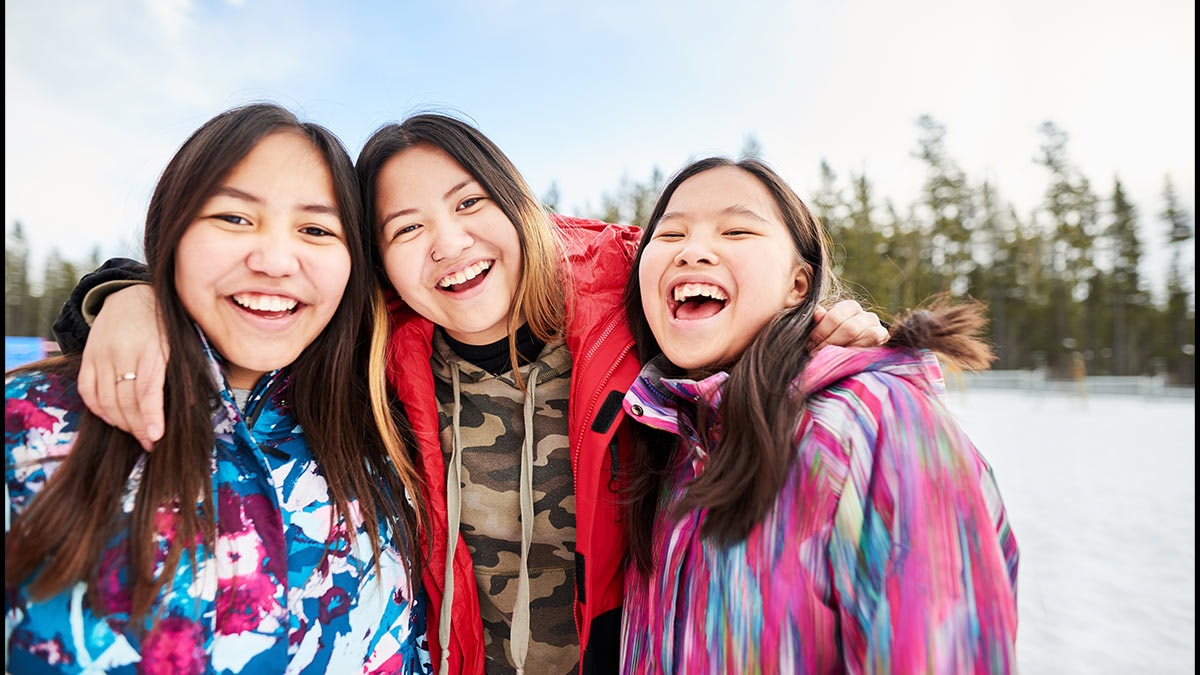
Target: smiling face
263,266
448,249
718,266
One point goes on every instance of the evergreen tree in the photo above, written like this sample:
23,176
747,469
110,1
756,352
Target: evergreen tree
863,245
1071,208
945,211
59,279
19,304
1126,286
633,200
751,148
830,207
550,199
1179,352
996,279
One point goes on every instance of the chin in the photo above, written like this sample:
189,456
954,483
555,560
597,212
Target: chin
691,364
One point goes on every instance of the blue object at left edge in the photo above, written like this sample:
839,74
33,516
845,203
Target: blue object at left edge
21,350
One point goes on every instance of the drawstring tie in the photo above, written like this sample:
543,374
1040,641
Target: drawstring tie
453,516
519,634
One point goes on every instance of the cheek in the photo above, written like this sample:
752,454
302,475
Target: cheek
184,283
335,276
402,268
648,274
190,276
509,243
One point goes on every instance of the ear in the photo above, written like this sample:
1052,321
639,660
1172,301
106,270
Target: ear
800,282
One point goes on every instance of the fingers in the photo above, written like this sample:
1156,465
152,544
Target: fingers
140,400
846,324
125,392
98,386
124,366
151,382
87,383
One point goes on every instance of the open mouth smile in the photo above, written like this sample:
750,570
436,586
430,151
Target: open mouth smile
269,306
692,301
467,278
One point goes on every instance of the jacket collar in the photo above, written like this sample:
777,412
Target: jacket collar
659,395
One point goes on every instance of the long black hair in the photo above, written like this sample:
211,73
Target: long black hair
59,539
759,410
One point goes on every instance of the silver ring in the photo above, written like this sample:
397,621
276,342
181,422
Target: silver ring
126,377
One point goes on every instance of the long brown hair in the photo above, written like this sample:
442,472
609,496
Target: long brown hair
59,539
759,410
541,294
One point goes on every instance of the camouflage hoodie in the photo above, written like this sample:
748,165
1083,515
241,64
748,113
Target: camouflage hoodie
603,365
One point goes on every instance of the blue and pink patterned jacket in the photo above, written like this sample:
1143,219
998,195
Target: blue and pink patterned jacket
266,600
887,551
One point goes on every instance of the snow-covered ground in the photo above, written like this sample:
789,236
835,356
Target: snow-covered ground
1101,492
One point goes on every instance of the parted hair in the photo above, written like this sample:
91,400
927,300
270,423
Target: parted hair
541,295
59,539
760,407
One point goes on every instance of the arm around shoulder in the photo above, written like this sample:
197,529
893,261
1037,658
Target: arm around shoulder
79,311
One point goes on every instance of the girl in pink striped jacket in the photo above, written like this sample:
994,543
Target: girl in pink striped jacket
791,511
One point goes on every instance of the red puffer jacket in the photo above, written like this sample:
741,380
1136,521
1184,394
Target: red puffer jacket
599,256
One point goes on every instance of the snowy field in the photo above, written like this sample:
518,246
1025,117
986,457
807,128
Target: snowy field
1101,492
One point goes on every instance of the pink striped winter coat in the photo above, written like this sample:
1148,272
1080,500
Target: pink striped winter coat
887,551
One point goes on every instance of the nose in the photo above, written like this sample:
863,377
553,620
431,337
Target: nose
697,250
450,241
274,253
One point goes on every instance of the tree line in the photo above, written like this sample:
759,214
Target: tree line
1061,281
31,305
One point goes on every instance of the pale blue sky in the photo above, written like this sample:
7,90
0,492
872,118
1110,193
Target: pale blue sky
98,95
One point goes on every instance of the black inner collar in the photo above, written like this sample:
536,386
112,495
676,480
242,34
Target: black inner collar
494,357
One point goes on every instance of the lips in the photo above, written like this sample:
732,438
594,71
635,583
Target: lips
694,301
466,278
265,304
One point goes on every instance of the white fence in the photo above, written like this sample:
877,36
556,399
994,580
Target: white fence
1036,381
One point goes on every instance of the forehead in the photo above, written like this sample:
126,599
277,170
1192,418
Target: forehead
284,165
423,161
726,189
282,148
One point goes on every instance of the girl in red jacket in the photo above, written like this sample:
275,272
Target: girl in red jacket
510,354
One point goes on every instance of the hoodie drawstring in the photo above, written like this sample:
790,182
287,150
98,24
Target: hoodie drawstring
519,634
453,516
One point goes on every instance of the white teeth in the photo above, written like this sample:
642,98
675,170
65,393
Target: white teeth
687,291
265,303
462,276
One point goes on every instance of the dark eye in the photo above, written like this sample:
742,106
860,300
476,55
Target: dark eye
232,219
406,229
469,202
317,231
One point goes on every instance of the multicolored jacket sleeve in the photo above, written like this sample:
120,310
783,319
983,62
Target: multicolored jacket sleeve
922,559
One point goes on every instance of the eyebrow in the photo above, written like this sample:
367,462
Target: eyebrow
734,210
246,196
404,212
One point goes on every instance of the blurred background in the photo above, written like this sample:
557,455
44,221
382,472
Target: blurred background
1037,155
